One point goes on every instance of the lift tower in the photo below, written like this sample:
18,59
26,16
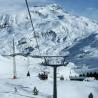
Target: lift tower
14,60
55,66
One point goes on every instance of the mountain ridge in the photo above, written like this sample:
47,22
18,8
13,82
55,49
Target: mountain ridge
58,33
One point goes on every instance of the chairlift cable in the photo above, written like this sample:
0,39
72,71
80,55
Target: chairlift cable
33,29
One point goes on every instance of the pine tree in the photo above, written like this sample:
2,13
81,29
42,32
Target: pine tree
80,75
88,74
83,75
90,95
35,91
95,74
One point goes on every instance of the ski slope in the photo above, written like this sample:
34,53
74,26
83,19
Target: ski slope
25,85
66,89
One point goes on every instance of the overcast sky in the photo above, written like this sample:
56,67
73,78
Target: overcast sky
88,8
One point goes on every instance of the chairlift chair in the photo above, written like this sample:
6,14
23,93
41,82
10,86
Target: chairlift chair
43,75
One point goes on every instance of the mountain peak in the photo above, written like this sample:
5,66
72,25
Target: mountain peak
58,32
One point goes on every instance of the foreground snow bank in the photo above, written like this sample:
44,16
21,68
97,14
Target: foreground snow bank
24,85
66,89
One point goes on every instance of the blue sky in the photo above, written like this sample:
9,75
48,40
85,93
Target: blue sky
88,8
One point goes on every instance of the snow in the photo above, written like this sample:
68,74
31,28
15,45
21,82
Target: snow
56,36
69,35
16,5
69,89
25,85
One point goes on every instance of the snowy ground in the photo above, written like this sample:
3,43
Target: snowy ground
24,85
66,89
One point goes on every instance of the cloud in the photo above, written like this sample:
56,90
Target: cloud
92,13
90,9
16,4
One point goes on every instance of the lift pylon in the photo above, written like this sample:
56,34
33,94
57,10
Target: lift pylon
14,61
55,66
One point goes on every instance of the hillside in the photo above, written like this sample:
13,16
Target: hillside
58,33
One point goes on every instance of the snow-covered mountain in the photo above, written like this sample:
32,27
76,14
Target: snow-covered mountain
58,33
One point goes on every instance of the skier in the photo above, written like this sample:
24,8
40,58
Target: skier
15,90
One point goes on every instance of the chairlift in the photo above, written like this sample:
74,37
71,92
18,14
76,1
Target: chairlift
28,64
43,75
22,41
28,74
29,49
61,77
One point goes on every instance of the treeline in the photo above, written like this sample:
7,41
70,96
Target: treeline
95,74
